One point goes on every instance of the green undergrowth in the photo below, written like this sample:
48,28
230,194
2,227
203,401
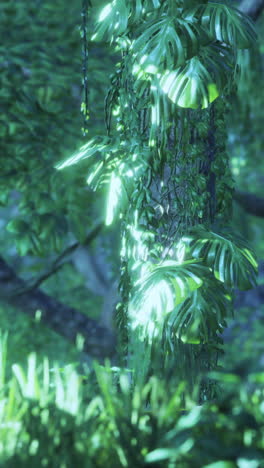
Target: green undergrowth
28,335
52,416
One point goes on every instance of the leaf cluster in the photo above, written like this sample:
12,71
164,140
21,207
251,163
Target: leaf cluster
55,417
192,48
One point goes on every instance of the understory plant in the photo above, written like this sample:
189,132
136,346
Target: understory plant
56,418
165,173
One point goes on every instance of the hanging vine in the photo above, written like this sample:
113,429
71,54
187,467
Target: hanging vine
168,178
85,104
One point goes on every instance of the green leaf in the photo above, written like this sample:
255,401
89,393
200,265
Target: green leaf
166,43
18,226
229,257
205,309
112,21
226,377
161,454
116,195
159,291
23,246
201,80
86,151
189,86
221,464
224,23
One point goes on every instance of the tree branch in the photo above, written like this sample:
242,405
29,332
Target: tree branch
60,260
251,203
99,342
252,8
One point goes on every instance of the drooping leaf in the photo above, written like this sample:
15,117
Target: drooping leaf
204,312
166,44
160,290
87,151
202,79
224,23
112,21
230,259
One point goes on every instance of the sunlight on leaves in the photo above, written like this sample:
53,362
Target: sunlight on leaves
112,21
105,11
158,291
84,152
115,192
190,86
232,262
150,316
225,23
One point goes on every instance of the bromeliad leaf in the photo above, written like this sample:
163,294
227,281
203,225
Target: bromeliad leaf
229,257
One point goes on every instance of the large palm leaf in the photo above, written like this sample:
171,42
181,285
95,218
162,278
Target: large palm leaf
200,81
167,43
202,314
112,21
224,23
229,257
160,290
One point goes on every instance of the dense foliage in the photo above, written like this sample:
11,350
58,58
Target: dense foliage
167,174
160,174
49,417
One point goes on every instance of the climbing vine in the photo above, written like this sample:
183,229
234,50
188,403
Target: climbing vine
166,173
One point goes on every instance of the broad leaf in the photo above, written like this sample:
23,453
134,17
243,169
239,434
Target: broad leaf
231,260
167,43
160,290
190,86
202,314
224,23
201,80
112,21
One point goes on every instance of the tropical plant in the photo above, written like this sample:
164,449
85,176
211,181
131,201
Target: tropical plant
54,417
165,169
